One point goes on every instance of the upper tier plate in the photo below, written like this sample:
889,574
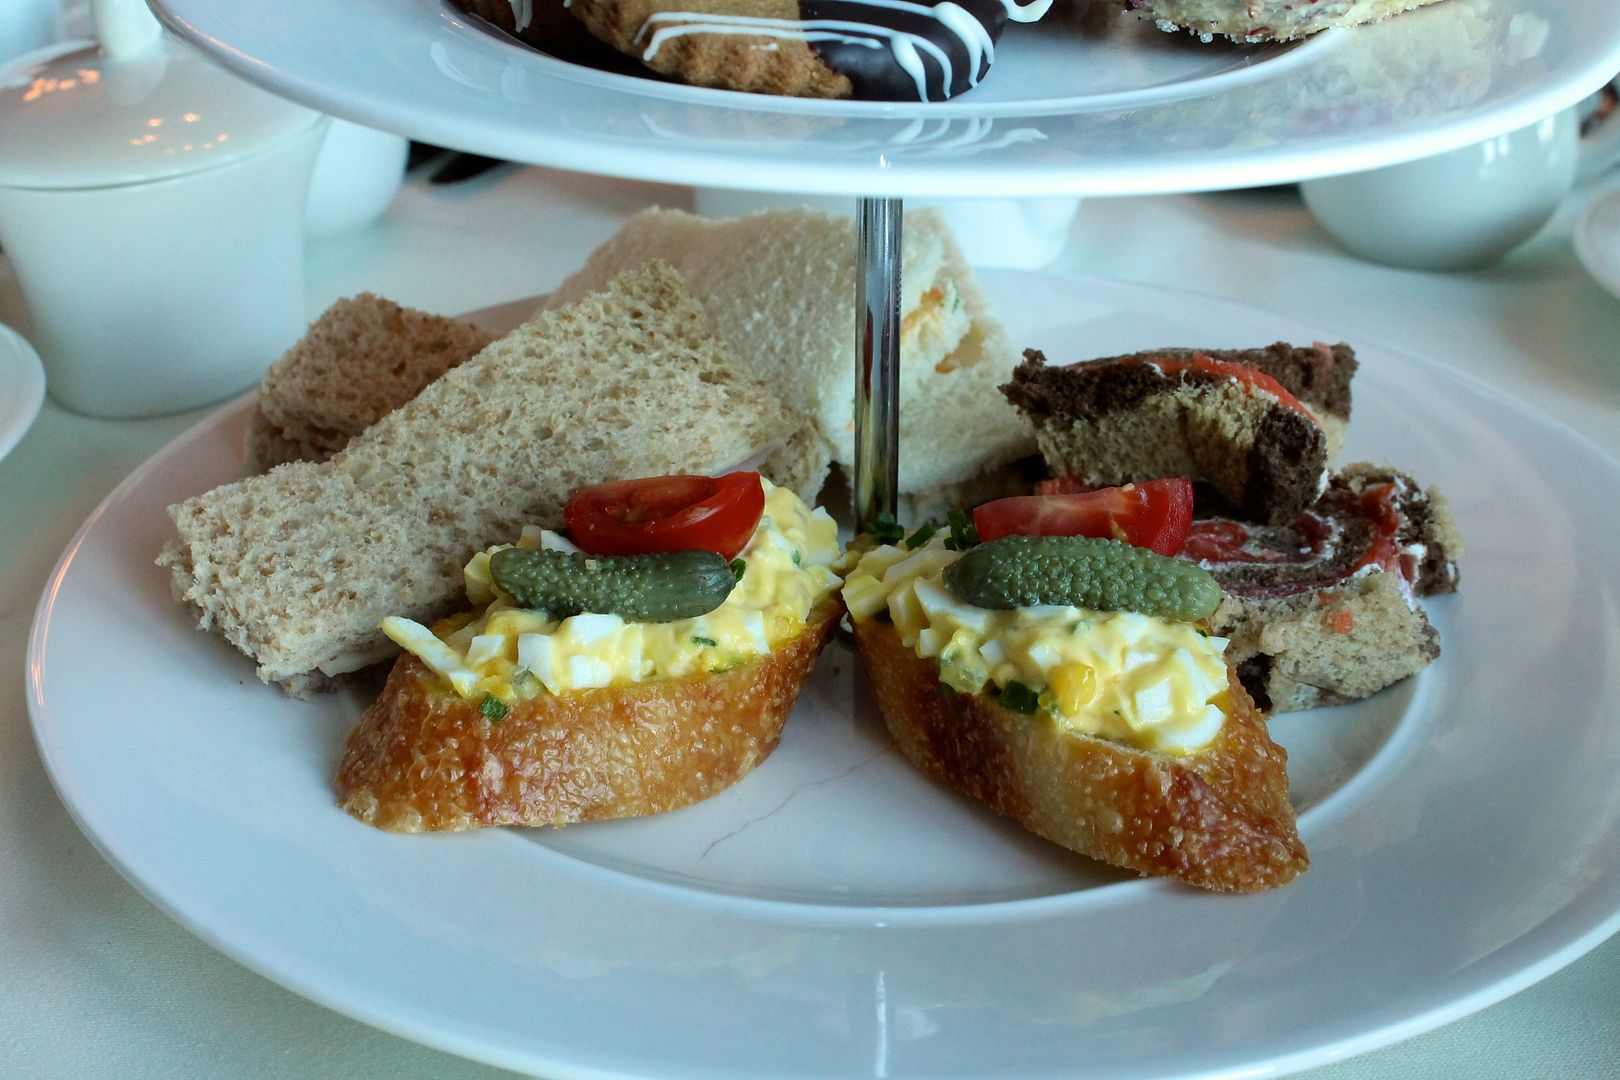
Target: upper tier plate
1102,110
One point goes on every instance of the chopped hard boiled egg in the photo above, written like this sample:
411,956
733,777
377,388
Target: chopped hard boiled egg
1148,682
515,653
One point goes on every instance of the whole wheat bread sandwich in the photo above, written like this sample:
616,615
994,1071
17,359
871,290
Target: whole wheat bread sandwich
1258,426
362,359
780,286
297,566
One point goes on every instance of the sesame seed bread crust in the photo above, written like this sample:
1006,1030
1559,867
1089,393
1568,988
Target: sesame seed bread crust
361,359
1268,20
1123,419
296,567
1219,819
423,759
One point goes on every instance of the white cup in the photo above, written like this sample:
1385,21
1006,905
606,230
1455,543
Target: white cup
357,174
152,298
26,25
1023,234
1462,209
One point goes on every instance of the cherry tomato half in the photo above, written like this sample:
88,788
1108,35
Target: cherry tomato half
666,513
1153,514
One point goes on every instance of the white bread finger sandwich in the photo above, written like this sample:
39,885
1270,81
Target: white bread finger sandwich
297,566
362,359
604,684
780,287
1066,683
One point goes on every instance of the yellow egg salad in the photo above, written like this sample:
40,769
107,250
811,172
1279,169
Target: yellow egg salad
513,653
1147,682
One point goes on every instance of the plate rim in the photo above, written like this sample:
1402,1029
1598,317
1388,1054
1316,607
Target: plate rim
20,359
447,119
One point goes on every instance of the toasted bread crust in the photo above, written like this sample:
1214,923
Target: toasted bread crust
424,760
1219,819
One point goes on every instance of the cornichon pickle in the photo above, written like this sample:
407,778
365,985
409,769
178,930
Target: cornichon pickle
639,588
1104,575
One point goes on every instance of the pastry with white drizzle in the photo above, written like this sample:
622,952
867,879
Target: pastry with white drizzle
886,50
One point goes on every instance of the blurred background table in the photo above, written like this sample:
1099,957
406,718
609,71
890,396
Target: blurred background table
99,983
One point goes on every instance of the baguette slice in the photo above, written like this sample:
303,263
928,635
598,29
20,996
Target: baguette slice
1219,818
424,760
296,567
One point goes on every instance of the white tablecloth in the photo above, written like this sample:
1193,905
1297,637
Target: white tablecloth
94,981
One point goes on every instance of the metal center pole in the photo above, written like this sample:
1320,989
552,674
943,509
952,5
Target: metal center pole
877,358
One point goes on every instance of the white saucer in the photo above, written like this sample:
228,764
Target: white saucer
1597,241
22,388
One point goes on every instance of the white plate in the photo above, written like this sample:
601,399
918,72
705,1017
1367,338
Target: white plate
1062,112
1597,241
837,914
22,388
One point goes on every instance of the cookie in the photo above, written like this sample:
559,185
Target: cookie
882,50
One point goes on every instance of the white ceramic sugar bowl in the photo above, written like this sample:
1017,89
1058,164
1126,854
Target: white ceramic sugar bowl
152,206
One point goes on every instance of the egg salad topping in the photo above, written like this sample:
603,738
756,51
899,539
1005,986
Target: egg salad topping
513,653
1148,682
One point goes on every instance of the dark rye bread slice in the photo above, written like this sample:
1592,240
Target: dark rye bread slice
1181,412
1322,611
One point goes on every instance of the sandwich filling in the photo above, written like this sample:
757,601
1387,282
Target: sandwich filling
512,653
1150,683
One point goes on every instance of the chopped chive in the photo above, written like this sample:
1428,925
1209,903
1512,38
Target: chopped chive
1019,698
708,642
919,538
886,530
796,558
493,708
963,534
738,568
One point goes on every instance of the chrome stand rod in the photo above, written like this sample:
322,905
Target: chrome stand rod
877,358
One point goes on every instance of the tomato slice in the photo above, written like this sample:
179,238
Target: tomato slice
666,513
1154,514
